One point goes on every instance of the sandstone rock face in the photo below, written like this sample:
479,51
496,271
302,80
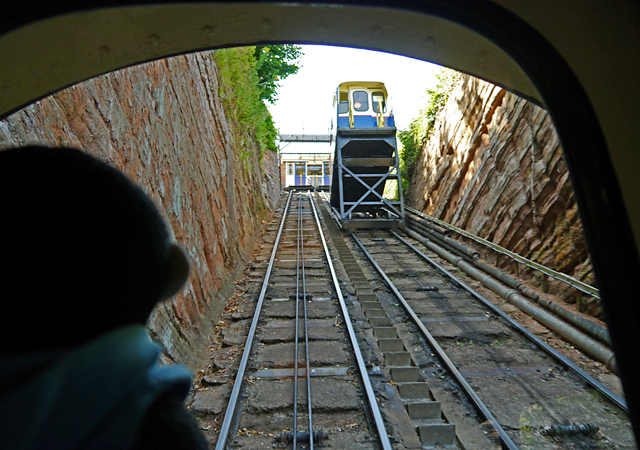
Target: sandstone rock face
163,125
493,166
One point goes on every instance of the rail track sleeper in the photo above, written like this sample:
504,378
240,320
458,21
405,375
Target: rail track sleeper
385,332
365,305
412,390
367,290
391,344
367,297
402,374
434,432
370,313
398,359
359,276
423,409
380,322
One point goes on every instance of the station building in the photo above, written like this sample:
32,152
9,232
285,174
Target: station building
306,163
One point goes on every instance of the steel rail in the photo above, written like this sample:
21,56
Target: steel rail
375,409
235,392
616,399
583,287
297,327
306,331
453,370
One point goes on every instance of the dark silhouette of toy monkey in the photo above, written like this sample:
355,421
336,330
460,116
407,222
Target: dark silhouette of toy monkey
85,256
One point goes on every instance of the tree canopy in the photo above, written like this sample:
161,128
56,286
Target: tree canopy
250,76
273,64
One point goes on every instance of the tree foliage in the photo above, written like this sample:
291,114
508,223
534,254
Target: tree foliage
246,83
273,64
414,138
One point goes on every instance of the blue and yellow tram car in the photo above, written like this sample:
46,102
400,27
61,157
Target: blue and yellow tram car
363,104
365,155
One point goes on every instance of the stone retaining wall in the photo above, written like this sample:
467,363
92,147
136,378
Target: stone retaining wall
493,166
162,124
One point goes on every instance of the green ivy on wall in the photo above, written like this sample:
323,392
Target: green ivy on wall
250,76
413,139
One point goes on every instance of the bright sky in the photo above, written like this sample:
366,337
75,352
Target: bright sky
305,100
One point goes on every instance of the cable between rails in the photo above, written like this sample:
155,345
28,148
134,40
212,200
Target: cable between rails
306,332
301,279
297,327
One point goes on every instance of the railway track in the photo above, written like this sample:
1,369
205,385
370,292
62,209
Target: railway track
468,349
399,355
297,382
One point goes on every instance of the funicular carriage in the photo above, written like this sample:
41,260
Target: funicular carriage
307,171
365,157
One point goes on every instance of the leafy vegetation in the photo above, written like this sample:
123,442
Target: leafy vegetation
250,76
273,64
413,139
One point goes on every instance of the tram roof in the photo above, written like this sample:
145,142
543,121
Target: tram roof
364,84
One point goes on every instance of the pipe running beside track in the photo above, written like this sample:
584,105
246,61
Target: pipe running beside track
552,273
592,328
589,346
457,261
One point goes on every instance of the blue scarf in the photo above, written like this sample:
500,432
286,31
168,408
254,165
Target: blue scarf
93,397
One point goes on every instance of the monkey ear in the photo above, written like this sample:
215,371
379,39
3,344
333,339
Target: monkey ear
178,272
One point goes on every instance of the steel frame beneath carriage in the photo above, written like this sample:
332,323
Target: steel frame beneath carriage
346,209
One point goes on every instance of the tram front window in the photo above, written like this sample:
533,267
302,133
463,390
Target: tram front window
360,101
378,98
314,174
343,105
314,170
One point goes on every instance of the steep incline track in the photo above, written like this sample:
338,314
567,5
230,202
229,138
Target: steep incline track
518,385
381,376
297,331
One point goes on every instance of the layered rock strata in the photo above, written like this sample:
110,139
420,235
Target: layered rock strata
493,166
163,125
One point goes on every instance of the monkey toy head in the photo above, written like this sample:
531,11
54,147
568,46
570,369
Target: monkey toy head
83,250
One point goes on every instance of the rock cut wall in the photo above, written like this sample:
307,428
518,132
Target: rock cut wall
163,125
493,166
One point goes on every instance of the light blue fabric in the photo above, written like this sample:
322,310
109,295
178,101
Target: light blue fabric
91,398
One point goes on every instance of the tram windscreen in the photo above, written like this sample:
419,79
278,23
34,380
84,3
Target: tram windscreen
343,106
360,100
378,97
314,170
